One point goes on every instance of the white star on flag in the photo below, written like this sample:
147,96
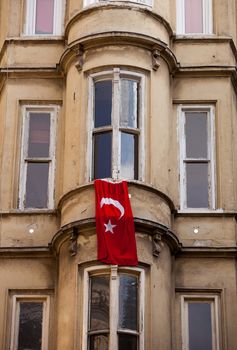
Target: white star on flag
109,227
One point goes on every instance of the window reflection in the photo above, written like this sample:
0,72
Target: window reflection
37,185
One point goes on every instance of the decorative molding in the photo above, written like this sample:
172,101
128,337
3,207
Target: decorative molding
156,55
73,241
79,52
157,243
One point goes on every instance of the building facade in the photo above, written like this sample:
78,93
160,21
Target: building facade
143,91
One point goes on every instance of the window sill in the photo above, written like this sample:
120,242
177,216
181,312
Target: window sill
109,2
29,211
205,212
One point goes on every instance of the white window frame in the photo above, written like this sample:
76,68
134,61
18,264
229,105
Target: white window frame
30,18
115,75
206,18
138,2
214,301
210,110
26,110
16,300
114,271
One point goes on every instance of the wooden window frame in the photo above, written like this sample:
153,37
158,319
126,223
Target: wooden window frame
30,18
114,271
26,110
209,109
116,75
206,18
16,300
215,317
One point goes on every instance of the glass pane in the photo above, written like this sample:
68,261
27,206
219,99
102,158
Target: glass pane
99,303
200,330
103,103
99,342
30,326
39,135
193,16
128,300
196,134
127,342
197,185
102,155
37,185
44,17
129,103
129,156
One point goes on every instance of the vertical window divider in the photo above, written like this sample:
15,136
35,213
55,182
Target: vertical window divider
116,139
114,307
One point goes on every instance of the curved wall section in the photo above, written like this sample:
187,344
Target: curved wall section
112,18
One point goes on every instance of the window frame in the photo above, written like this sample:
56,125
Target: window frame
116,74
16,300
207,18
210,160
114,271
148,3
214,301
30,19
26,110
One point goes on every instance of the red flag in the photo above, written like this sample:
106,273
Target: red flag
116,242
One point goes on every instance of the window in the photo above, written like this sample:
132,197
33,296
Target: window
200,328
197,190
116,110
44,17
194,17
30,322
113,316
140,2
37,157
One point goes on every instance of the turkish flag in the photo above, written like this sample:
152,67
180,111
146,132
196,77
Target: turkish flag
116,242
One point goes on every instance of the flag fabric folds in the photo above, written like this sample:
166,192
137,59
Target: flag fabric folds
116,242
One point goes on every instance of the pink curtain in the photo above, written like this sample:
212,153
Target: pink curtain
44,16
193,16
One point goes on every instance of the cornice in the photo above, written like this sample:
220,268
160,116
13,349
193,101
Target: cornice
119,6
31,72
207,252
26,252
103,39
151,228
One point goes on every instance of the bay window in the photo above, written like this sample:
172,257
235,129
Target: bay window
113,300
197,170
44,17
37,157
194,16
116,130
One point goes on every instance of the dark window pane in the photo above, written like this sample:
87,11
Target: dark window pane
128,302
103,103
39,135
102,155
127,342
30,326
196,134
129,156
129,103
99,342
99,303
44,17
200,330
197,185
37,185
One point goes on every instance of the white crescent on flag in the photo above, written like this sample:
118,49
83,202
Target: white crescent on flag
113,202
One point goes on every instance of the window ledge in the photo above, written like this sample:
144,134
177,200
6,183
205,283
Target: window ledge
109,2
205,212
29,211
